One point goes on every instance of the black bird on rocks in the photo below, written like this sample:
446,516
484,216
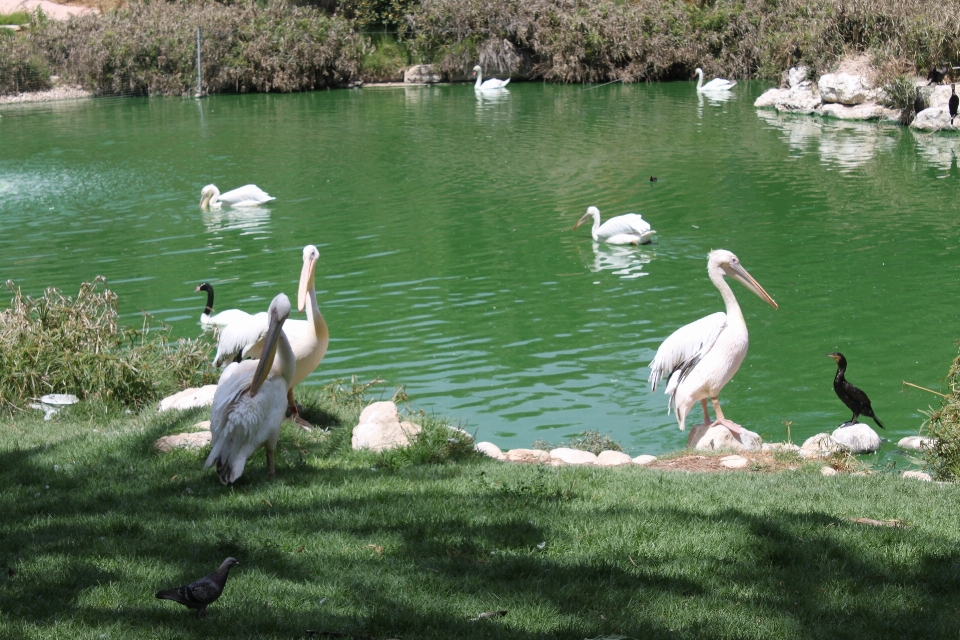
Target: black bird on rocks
918,104
203,592
937,74
796,53
854,398
953,103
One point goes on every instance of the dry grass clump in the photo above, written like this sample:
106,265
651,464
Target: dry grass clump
943,425
57,344
22,65
150,48
592,441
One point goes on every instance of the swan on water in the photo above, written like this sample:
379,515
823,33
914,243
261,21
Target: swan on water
249,195
717,84
489,84
223,318
700,358
251,400
629,228
308,338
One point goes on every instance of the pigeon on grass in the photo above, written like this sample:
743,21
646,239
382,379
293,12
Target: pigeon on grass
203,592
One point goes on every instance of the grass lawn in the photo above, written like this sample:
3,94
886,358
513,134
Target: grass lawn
93,522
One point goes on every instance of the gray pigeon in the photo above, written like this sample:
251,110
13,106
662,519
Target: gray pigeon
203,592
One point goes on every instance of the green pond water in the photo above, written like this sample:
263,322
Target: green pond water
448,263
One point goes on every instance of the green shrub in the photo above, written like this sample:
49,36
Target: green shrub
592,441
943,425
22,65
55,344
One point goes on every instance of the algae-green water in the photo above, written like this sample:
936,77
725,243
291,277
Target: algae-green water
448,263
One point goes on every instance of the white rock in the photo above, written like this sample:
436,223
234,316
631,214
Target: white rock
819,446
796,75
845,88
868,111
915,443
803,99
189,398
380,428
934,119
858,438
422,74
828,471
780,446
734,462
918,475
489,449
527,455
719,437
937,96
770,97
612,459
191,440
644,459
573,456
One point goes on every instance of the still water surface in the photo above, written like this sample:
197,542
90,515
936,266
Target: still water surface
448,263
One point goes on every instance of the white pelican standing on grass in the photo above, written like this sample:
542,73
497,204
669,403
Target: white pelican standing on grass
491,84
629,228
308,338
715,85
251,399
249,195
701,357
223,318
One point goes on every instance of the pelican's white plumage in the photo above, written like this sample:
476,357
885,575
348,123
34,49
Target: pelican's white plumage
249,195
629,228
715,85
701,357
251,400
491,84
308,338
222,319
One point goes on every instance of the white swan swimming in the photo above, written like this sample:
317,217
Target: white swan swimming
249,195
717,84
630,228
490,84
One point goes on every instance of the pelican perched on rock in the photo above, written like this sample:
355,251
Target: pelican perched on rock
251,400
701,357
223,318
249,195
308,338
629,228
717,84
490,84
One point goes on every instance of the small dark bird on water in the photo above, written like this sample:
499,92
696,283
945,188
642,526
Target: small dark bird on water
918,104
854,398
953,103
937,74
203,592
653,178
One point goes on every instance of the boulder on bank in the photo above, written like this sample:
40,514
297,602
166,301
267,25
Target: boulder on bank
489,449
422,74
566,455
934,119
527,455
380,428
846,88
719,437
800,99
918,475
644,460
612,459
820,446
916,443
189,398
870,111
858,438
796,76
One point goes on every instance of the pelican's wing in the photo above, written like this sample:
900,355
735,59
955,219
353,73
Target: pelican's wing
684,348
630,223
239,338
248,195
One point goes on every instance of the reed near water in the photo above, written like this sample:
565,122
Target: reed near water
148,49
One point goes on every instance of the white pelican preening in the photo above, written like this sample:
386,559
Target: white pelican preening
223,318
308,338
251,400
249,195
701,357
489,84
629,228
717,84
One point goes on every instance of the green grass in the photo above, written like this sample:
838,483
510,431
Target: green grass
17,17
94,522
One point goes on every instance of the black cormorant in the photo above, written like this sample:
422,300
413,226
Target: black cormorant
953,103
918,104
937,74
796,53
854,398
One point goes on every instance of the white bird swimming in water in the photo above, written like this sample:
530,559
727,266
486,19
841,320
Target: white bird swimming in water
308,338
251,400
717,84
701,357
489,84
249,195
629,228
223,318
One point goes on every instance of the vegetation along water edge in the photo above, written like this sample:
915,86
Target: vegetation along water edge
150,48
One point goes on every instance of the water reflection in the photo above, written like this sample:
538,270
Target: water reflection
940,151
486,99
419,94
847,144
625,261
246,219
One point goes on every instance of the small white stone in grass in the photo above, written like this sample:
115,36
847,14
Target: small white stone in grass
918,475
828,471
644,459
734,462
